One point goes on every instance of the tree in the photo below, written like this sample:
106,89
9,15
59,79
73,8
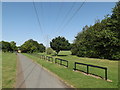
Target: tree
13,46
101,40
41,48
5,46
59,43
49,50
31,46
74,49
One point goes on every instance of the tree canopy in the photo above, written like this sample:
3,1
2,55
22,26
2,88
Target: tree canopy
60,43
102,40
13,46
49,50
31,46
8,46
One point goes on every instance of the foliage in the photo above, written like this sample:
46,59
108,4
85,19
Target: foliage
59,43
8,46
49,50
31,46
13,46
102,40
5,46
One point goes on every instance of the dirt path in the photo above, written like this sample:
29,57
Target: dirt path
31,75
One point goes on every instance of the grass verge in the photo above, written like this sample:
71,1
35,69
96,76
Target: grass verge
8,70
0,70
77,79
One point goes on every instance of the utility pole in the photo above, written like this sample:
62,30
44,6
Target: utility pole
47,42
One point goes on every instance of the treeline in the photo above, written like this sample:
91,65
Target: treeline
30,46
8,46
101,40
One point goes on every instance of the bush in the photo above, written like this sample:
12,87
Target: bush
49,51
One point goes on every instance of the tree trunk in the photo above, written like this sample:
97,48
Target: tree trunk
57,52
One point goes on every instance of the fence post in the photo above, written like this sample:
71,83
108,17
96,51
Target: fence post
87,69
55,60
75,66
60,62
67,63
52,59
49,58
106,74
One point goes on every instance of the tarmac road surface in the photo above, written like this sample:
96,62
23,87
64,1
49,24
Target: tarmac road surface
32,75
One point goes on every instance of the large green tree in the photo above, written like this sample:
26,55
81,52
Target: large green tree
13,46
31,46
101,40
5,46
60,43
49,50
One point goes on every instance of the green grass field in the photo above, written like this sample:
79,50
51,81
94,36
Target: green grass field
0,69
8,70
77,79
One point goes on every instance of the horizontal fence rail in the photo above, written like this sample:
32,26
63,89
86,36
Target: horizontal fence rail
61,62
49,58
88,65
43,57
65,63
57,60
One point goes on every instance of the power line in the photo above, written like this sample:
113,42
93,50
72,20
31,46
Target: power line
47,41
60,10
67,14
72,16
58,14
37,17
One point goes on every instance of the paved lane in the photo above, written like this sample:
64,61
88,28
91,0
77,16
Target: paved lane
34,76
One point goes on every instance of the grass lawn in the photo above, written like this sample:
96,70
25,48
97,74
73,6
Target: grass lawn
8,70
77,79
0,70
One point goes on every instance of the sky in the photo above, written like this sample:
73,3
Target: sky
22,21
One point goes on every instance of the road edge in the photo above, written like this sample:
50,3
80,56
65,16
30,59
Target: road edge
21,77
55,75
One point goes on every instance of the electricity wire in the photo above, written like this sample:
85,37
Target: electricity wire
72,16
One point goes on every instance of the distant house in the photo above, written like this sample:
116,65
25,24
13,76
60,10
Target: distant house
19,51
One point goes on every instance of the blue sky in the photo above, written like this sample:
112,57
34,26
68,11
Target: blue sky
19,21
